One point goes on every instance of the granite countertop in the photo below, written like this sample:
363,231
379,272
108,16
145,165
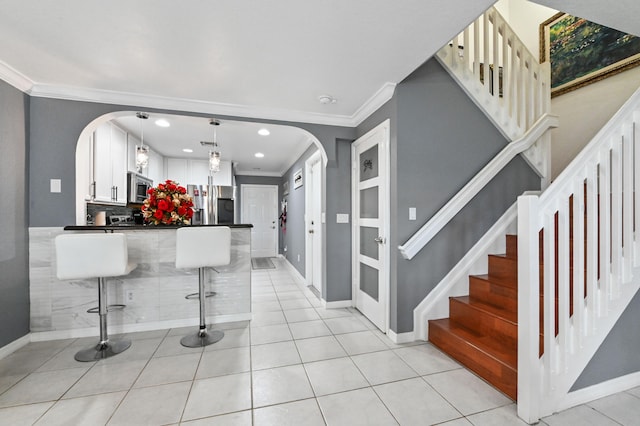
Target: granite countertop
139,227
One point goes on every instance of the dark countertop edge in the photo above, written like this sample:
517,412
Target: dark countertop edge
139,227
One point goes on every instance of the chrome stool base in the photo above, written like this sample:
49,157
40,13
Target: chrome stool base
103,350
202,338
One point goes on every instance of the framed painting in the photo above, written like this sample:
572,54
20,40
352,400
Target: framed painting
582,52
297,179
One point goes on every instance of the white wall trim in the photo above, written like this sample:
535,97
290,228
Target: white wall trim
10,348
240,172
133,328
373,103
24,84
15,77
600,390
299,277
399,338
337,304
456,282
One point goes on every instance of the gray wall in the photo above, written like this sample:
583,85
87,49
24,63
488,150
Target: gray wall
56,125
440,140
618,354
294,237
14,247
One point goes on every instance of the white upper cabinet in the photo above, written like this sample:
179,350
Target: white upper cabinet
155,170
110,164
196,172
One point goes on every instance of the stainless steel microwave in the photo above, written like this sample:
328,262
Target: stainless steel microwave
137,187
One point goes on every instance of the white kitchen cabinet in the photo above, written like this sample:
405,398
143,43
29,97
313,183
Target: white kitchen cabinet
178,170
224,176
132,142
110,164
196,172
155,170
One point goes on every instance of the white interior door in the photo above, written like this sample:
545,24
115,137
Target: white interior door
260,209
313,215
370,229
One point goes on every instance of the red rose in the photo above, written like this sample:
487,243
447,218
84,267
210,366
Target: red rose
171,187
182,190
182,210
151,191
189,213
163,205
161,187
158,214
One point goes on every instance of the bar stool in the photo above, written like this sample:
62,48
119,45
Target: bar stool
201,247
82,256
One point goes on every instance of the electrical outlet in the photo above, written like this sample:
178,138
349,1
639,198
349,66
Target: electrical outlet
298,258
129,295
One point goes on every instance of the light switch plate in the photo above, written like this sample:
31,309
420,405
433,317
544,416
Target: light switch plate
342,218
56,185
412,213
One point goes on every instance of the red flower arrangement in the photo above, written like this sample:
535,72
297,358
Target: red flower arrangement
168,204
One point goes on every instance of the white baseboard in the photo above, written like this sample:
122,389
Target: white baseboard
133,328
301,280
337,304
398,338
591,393
7,350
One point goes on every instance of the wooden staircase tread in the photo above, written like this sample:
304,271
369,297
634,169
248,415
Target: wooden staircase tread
503,282
484,344
495,311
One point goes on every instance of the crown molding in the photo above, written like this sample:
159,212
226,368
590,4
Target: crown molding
15,78
373,103
257,173
24,84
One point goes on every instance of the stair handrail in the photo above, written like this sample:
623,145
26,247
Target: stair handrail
599,185
424,235
524,90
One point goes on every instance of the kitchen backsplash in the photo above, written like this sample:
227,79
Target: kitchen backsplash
109,209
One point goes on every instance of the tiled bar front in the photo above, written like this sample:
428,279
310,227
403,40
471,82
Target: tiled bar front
154,293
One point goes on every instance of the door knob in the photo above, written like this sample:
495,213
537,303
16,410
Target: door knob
379,240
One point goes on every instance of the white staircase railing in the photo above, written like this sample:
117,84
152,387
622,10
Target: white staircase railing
523,94
520,108
588,224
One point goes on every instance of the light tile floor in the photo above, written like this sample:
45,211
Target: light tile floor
295,363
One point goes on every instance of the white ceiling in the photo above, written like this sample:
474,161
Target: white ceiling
259,59
238,141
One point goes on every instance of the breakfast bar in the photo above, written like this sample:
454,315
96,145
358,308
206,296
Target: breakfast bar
154,293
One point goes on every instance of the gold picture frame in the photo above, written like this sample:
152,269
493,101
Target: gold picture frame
582,52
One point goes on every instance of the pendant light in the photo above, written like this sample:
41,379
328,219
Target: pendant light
142,151
214,154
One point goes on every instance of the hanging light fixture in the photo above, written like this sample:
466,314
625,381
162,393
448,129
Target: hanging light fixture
214,154
142,151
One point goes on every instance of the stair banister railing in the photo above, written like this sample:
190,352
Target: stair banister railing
422,237
593,198
522,96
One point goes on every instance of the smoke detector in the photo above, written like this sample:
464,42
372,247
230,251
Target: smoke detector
326,99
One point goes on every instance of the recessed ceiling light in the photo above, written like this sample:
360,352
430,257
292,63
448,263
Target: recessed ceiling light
162,123
187,150
326,99
264,132
259,155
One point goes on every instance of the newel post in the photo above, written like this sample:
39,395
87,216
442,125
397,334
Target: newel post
529,374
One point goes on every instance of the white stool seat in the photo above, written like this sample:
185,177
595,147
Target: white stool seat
201,247
83,256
